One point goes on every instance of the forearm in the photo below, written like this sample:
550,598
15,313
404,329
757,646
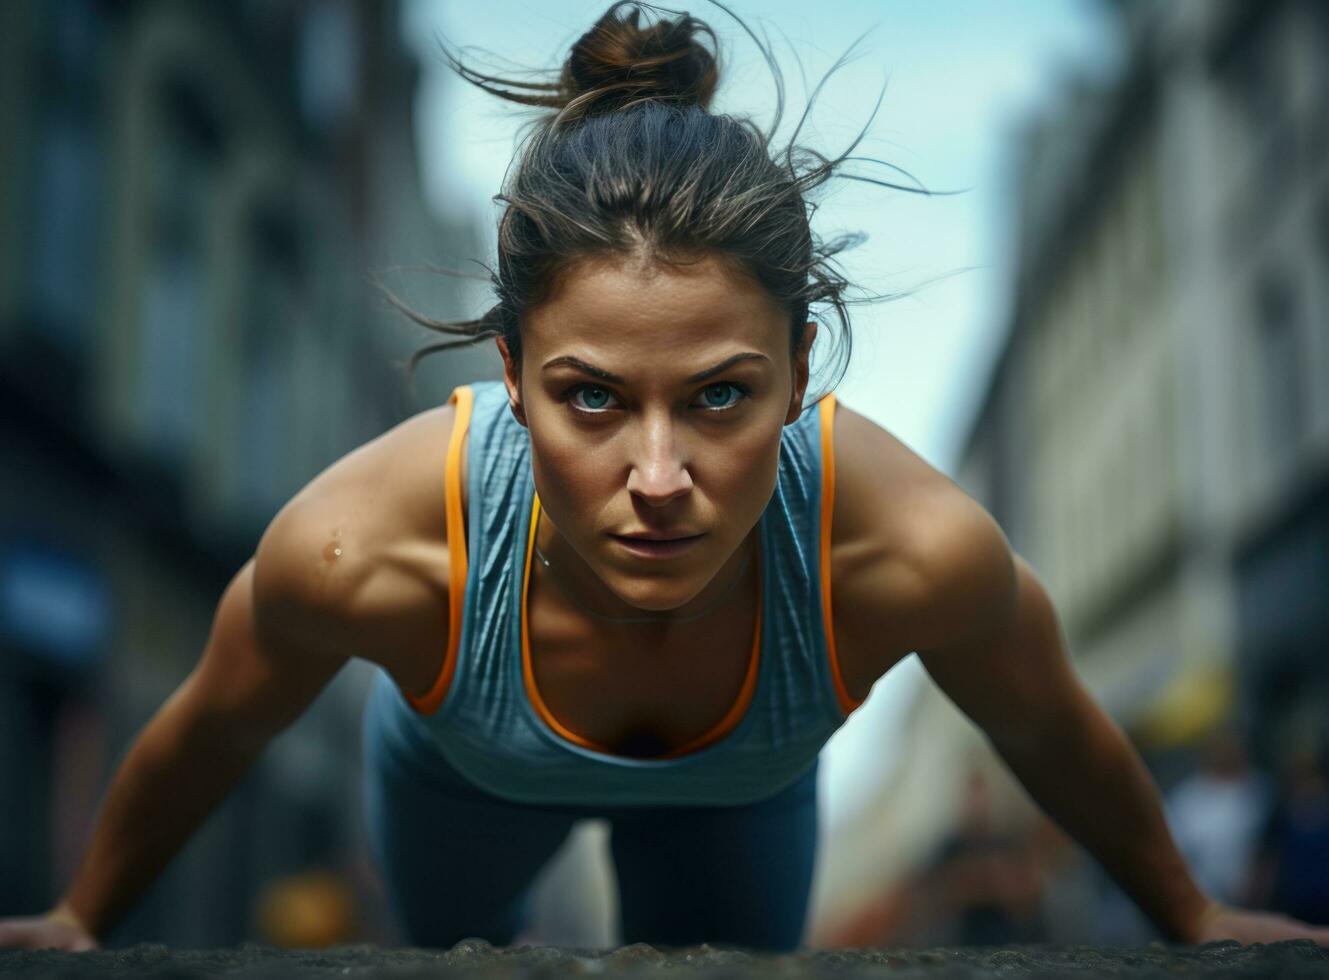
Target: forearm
172,777
1083,771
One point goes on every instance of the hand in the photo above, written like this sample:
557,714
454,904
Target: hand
57,929
1220,921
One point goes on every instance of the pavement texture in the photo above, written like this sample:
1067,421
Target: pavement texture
476,958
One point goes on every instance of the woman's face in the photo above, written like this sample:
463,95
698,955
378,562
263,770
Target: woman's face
655,397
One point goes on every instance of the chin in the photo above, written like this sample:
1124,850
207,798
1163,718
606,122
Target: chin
654,594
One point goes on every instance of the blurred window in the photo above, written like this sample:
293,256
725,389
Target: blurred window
1156,254
1320,58
76,28
1122,301
172,308
64,256
326,65
270,315
1254,73
1097,285
1279,366
1322,237
183,158
1134,473
1322,242
68,166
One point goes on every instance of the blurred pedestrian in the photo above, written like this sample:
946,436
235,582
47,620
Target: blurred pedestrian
1293,867
986,883
1216,815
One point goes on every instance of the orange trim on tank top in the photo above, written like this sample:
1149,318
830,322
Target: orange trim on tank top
722,728
826,408
463,398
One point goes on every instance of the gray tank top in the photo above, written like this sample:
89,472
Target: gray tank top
484,718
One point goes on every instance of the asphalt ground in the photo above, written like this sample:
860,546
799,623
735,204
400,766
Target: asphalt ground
476,958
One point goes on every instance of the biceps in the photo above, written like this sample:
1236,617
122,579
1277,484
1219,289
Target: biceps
249,689
1015,681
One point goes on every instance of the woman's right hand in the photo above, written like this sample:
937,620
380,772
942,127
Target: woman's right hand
57,929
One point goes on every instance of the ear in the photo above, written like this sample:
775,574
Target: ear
511,381
801,374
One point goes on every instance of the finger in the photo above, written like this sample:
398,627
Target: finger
1307,930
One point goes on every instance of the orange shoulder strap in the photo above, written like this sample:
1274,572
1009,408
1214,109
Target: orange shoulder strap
826,408
462,398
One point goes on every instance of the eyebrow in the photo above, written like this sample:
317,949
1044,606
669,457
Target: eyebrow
612,378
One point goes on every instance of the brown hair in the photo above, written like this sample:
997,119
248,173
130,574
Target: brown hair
630,160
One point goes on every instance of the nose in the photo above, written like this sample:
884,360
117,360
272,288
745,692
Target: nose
659,471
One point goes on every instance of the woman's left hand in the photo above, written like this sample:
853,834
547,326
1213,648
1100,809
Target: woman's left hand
1220,921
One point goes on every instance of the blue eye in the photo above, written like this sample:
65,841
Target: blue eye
591,399
720,390
595,398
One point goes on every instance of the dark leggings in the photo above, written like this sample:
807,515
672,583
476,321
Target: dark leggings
458,862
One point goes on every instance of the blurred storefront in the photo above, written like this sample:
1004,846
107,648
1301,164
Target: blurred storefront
192,197
1283,645
1154,438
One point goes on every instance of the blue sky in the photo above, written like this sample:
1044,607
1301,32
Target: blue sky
960,75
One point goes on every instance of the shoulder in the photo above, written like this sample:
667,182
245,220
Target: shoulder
916,562
361,550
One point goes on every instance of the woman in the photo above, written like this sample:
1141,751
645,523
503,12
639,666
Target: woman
653,582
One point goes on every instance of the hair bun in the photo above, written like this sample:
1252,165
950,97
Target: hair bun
618,62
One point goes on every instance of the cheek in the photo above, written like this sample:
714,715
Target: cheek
742,477
572,482
751,444
562,475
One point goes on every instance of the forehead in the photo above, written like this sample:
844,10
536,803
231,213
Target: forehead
628,304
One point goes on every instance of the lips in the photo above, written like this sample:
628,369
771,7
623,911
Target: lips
644,547
659,536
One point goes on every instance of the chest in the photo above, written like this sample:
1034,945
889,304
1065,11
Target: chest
639,690
638,693
641,695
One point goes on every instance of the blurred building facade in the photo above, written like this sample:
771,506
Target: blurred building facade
1155,435
192,197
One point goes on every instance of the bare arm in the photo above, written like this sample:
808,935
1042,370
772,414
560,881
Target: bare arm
1070,755
259,671
932,572
343,570
1011,676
